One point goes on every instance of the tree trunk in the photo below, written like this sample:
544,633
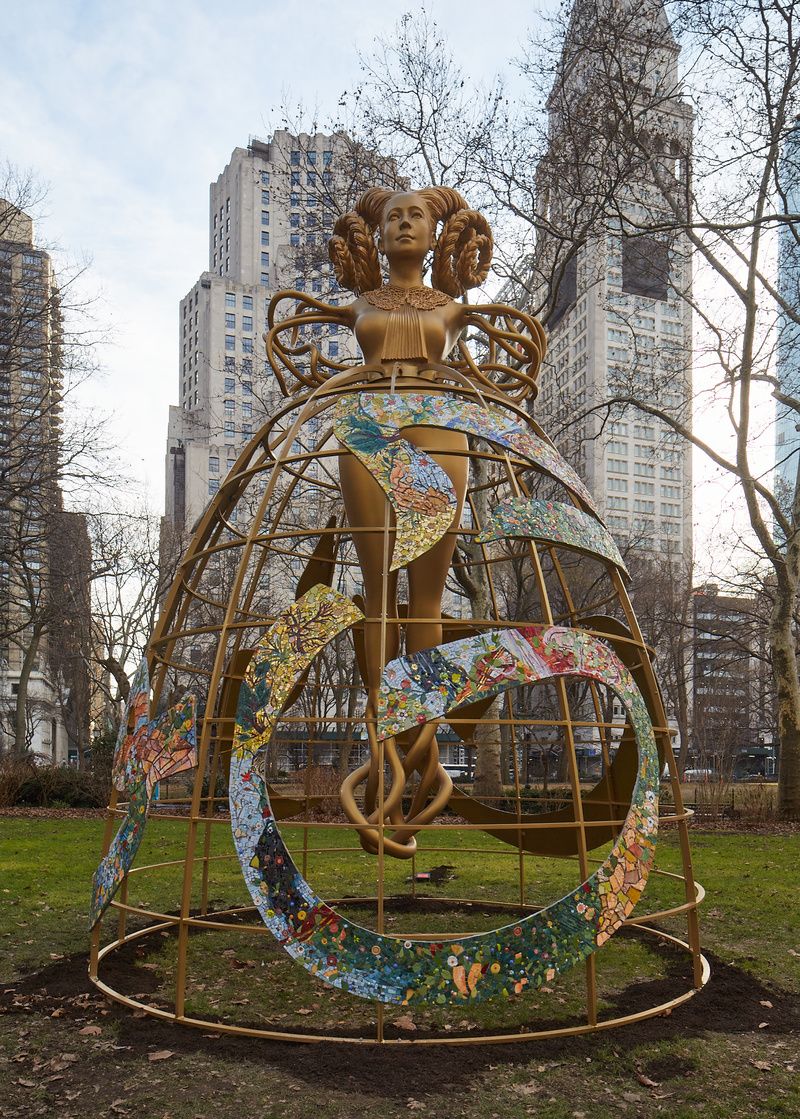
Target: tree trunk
487,738
488,750
787,688
21,707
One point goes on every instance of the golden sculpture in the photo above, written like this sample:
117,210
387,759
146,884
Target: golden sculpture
406,331
435,370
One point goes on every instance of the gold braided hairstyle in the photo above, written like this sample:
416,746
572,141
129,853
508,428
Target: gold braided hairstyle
462,254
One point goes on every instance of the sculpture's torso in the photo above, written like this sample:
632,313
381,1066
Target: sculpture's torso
405,325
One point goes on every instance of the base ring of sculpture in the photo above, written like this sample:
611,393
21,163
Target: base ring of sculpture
211,922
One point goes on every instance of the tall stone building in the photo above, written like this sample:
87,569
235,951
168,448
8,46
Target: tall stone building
619,317
31,520
271,212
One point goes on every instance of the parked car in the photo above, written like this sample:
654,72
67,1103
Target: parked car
699,775
457,772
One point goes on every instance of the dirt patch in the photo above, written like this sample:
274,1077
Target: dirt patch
734,1002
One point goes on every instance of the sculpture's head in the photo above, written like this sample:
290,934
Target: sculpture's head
404,227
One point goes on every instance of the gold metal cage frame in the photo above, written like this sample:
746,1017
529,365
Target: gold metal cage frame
275,457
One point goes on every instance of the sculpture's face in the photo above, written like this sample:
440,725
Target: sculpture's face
407,229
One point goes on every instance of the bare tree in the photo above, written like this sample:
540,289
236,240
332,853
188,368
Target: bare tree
47,445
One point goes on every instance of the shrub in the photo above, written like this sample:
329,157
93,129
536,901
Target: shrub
51,786
14,772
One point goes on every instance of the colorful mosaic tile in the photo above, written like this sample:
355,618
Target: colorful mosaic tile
553,521
421,494
388,969
154,750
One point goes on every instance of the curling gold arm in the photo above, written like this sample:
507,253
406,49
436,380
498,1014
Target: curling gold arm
283,353
512,357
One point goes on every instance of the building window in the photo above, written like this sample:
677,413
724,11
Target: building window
265,178
230,363
311,157
294,198
327,178
311,238
230,431
311,220
265,279
247,365
265,198
316,284
247,345
645,267
230,298
247,429
247,388
231,463
247,322
230,342
265,217
333,349
213,486
294,240
247,302
230,408
294,221
230,321
247,411
295,158
265,260
327,158
264,236
311,178
213,464
566,294
230,384
295,178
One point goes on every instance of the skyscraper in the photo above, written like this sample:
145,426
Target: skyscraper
619,316
31,520
787,437
271,210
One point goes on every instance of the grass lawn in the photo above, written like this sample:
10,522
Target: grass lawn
731,1051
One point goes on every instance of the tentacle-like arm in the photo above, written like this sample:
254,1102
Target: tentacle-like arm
513,344
289,351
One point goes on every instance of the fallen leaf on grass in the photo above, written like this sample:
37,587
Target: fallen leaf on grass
767,1003
416,1105
405,1022
765,1066
763,1025
633,1097
90,1031
527,1089
646,1081
59,1012
27,1083
160,1055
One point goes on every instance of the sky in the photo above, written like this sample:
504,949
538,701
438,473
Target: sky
126,112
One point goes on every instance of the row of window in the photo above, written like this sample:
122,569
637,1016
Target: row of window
230,321
311,158
246,344
311,178
247,386
230,301
643,505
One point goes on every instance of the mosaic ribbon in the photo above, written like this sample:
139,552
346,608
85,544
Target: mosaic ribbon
554,521
419,491
504,961
155,749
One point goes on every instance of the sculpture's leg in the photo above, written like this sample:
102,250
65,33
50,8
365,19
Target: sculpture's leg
367,509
